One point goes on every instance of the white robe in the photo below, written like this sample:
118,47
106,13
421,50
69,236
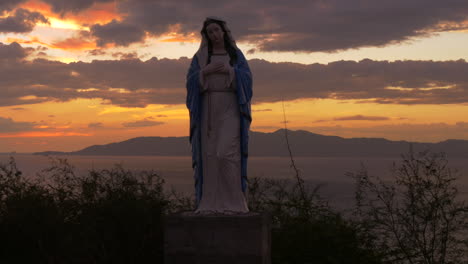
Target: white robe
220,144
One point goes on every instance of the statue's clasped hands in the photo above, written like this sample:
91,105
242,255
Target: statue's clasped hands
216,67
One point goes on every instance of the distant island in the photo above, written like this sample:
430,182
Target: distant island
303,143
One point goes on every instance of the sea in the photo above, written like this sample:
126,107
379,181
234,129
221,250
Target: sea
330,173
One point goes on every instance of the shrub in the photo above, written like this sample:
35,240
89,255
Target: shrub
416,216
305,229
107,216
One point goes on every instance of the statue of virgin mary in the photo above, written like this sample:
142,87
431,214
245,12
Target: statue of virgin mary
219,91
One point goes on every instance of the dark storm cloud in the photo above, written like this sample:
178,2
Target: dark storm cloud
7,5
8,125
399,82
154,80
74,6
122,34
21,21
343,24
13,51
136,83
295,25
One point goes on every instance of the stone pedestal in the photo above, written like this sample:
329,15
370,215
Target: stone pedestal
217,239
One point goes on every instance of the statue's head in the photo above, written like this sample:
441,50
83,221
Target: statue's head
214,30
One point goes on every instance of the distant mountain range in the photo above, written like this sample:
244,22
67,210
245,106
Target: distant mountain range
302,143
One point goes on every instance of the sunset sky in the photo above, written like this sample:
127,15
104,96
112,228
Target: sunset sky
75,73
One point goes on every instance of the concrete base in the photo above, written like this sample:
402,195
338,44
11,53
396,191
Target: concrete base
217,239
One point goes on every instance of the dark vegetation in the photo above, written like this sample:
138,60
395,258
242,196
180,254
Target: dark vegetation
416,216
115,216
107,216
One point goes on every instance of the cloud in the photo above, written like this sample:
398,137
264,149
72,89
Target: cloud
357,118
32,40
7,5
90,12
122,34
96,52
266,127
137,83
21,21
384,82
41,48
81,40
74,6
42,54
8,125
320,121
142,123
361,117
74,43
13,51
125,56
294,25
95,125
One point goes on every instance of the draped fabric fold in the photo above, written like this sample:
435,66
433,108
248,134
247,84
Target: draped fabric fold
193,101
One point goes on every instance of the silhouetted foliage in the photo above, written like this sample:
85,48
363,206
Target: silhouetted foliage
115,216
107,216
305,229
416,216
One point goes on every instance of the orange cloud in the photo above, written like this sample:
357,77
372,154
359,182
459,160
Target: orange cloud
32,40
174,36
74,43
35,5
43,134
98,13
452,26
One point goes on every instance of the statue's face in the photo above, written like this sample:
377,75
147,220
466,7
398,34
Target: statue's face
215,33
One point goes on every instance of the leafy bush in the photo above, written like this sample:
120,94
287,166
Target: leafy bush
107,216
304,228
115,216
